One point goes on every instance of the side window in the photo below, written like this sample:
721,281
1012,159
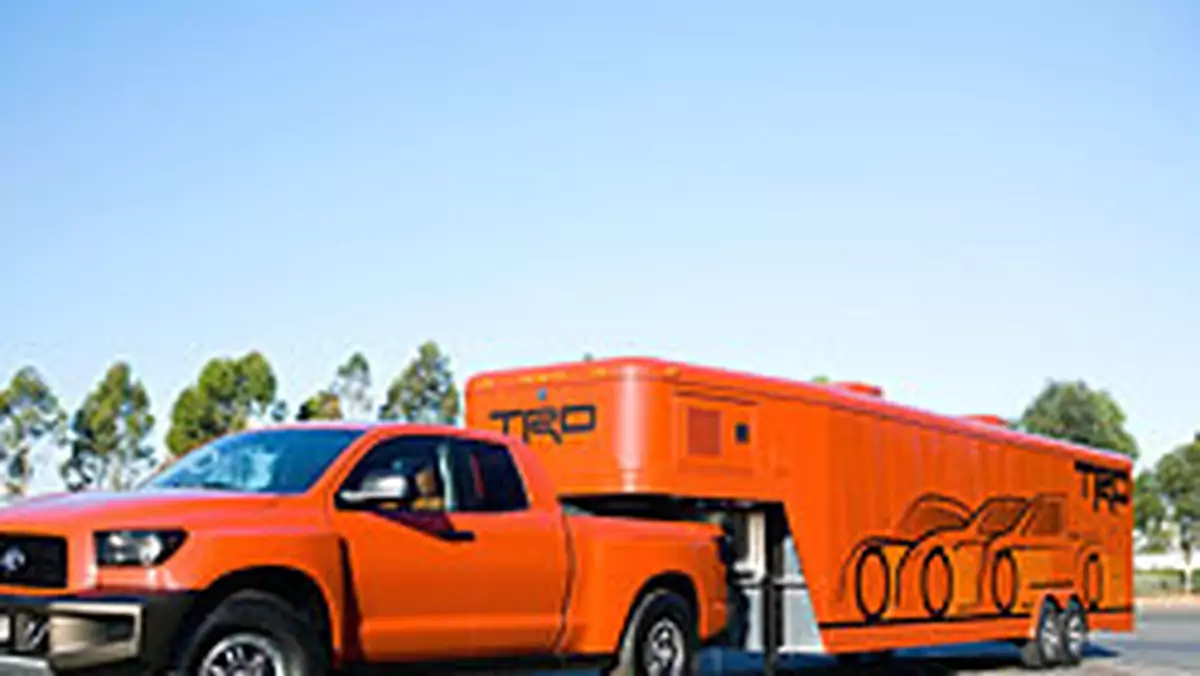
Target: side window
421,460
486,478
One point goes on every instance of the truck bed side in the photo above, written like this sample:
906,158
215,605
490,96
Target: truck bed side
617,559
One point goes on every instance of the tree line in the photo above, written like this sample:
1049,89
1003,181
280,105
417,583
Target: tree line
107,436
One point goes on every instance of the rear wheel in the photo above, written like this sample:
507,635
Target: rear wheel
1075,633
1046,647
660,640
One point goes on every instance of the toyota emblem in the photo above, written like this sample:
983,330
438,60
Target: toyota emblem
12,560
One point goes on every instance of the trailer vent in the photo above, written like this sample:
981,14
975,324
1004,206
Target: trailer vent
703,431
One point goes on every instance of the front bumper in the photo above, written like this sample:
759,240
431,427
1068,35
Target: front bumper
68,634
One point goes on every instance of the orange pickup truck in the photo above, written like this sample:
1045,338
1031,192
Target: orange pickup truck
305,549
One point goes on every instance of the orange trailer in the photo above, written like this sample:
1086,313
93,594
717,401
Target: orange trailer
858,525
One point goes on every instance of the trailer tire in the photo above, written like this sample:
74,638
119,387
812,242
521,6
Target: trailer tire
257,623
1074,633
662,620
1045,649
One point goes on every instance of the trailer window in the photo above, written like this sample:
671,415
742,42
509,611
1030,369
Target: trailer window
742,432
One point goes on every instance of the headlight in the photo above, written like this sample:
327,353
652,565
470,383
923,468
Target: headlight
137,547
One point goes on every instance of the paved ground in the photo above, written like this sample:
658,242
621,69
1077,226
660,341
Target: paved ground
1167,642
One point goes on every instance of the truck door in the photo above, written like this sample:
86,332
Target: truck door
406,563
518,557
466,568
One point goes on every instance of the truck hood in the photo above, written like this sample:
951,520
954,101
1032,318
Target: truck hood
96,509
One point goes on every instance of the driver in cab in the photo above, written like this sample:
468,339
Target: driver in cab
428,495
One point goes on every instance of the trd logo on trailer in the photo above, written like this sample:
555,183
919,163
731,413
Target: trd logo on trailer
1102,484
550,421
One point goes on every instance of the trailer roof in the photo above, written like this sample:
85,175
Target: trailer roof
859,396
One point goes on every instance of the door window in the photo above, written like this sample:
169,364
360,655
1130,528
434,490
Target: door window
421,460
486,478
447,474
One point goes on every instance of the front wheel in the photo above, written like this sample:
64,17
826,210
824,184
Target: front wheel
254,633
660,640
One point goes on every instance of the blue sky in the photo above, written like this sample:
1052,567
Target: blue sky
956,201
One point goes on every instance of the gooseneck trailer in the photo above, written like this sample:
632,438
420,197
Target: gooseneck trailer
857,525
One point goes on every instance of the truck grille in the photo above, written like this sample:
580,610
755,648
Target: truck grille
33,561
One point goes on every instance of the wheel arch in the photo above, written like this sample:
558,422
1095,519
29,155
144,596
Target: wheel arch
672,581
1040,601
292,585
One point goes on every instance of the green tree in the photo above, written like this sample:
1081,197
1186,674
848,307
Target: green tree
1178,476
425,391
1073,411
228,396
822,380
29,413
353,386
108,434
348,396
323,405
1149,513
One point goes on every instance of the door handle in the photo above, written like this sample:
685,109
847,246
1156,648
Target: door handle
457,535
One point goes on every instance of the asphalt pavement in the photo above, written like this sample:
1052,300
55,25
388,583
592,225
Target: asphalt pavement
1166,643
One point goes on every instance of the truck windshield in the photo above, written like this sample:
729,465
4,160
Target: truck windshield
263,461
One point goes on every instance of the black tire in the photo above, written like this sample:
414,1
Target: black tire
260,622
1074,633
665,616
1045,648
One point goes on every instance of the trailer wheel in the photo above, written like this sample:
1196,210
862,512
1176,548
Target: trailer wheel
1046,647
661,639
254,632
1074,632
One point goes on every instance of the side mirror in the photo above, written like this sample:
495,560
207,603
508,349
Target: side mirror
378,489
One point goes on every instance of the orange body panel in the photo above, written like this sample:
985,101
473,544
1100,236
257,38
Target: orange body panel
617,557
913,528
530,582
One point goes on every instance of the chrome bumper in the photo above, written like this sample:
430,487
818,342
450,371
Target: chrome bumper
66,634
24,666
